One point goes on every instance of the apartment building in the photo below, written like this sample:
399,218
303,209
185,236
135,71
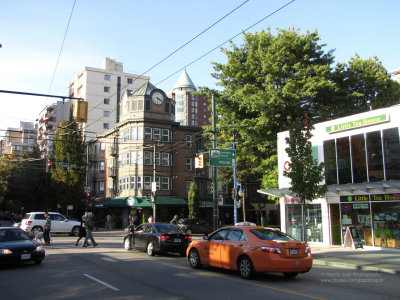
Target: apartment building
48,119
18,140
191,110
102,89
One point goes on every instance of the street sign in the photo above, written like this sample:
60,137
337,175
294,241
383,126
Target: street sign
87,189
66,165
222,157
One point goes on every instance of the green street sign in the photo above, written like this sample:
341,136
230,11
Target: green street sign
66,165
223,157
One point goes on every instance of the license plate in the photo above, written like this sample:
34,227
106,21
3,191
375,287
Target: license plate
25,256
293,252
177,240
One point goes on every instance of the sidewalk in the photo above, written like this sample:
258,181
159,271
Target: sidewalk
367,259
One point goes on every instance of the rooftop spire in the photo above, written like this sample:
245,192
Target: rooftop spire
184,83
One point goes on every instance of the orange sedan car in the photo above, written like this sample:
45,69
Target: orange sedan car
251,249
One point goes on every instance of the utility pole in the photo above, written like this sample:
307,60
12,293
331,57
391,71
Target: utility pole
154,185
214,168
234,185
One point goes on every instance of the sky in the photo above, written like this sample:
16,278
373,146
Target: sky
34,37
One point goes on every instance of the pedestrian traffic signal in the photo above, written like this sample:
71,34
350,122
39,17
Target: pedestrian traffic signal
199,161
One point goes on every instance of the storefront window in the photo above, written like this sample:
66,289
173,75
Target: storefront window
343,156
391,146
386,224
375,161
358,215
313,219
358,158
330,162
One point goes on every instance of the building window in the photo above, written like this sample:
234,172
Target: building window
101,186
107,101
188,163
165,183
139,183
374,154
147,182
147,133
140,133
343,159
358,158
133,158
129,80
156,134
133,185
107,89
106,125
330,162
165,159
165,135
148,158
106,113
107,77
188,139
391,146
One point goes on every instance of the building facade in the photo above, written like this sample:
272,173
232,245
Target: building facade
48,119
19,140
146,148
361,154
102,89
191,110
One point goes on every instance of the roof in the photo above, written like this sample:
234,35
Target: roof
184,82
145,89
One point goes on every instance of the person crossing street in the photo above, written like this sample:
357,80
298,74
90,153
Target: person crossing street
89,228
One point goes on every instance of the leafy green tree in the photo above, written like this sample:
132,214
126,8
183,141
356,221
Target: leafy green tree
305,175
193,201
69,150
266,80
9,165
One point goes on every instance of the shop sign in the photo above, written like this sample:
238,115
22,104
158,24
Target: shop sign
358,123
130,201
385,197
360,206
346,207
354,198
287,201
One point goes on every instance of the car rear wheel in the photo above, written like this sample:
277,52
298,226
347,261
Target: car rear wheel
290,274
150,249
246,269
75,231
194,259
127,244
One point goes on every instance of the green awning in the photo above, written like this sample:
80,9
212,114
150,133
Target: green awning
170,200
133,201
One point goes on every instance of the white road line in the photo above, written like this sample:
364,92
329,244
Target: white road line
102,282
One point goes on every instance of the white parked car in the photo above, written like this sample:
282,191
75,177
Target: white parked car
34,221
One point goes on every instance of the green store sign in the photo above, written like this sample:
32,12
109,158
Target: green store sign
358,123
374,197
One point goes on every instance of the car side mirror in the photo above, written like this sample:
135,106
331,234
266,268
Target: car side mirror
205,237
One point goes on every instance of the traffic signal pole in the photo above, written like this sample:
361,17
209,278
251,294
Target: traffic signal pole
214,168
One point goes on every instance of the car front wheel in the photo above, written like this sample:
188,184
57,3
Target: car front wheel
75,231
150,249
194,259
246,269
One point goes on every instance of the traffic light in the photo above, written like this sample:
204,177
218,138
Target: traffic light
88,195
48,167
199,161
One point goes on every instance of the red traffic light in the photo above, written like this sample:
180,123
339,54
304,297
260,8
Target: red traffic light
88,195
49,164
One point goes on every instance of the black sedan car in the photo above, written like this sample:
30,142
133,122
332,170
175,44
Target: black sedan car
195,226
16,246
158,238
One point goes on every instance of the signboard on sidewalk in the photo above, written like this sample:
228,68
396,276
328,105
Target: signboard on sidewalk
352,238
222,157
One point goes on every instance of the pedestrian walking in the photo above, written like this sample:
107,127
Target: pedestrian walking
82,231
174,220
47,229
108,219
89,228
150,219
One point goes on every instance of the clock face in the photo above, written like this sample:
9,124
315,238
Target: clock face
157,97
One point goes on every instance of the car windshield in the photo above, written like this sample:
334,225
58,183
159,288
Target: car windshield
270,234
7,235
165,228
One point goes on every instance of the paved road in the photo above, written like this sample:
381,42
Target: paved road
110,272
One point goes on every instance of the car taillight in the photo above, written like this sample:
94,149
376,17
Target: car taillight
27,223
163,238
188,237
308,250
271,250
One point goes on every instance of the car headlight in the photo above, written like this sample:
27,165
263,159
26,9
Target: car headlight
39,248
5,251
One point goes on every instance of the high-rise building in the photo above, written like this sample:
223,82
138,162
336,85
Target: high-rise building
191,110
396,74
18,140
102,89
48,119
